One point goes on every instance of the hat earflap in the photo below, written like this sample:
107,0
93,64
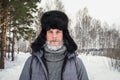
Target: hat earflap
69,42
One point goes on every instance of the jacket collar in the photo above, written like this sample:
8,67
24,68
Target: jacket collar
40,53
74,54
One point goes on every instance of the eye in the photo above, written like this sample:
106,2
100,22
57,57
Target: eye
49,31
58,31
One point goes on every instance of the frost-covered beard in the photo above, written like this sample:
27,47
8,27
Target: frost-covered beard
53,47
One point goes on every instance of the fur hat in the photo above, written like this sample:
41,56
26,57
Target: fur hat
54,20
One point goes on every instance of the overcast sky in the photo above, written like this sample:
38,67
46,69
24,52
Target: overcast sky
107,10
104,10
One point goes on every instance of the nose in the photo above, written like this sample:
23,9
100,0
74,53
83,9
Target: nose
54,35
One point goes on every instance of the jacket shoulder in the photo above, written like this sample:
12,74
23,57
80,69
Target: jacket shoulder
81,70
25,72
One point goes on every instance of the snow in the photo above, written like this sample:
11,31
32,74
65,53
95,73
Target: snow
97,67
13,68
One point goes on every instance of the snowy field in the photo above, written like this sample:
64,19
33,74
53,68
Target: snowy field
97,68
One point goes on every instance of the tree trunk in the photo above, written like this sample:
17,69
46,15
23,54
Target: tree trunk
1,59
3,26
9,39
13,42
9,49
1,41
2,52
4,40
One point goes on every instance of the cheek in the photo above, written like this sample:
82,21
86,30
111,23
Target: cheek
60,37
48,38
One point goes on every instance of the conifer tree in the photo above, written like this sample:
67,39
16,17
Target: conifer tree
20,13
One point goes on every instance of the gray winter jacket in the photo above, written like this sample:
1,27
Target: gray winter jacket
35,69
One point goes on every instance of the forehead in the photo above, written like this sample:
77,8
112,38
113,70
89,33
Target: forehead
54,30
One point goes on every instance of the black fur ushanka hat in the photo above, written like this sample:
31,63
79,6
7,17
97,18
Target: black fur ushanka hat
54,20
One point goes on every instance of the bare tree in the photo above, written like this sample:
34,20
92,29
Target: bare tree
54,5
84,22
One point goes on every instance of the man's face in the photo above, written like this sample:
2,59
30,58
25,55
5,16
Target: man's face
54,36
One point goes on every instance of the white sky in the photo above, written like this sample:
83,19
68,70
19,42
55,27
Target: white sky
104,10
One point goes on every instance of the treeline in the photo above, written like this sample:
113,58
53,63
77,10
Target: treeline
96,37
93,34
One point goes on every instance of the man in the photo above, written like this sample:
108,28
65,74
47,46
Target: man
53,52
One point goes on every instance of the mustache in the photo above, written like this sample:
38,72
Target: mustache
54,40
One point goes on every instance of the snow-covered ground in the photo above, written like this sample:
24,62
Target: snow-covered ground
97,68
13,68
